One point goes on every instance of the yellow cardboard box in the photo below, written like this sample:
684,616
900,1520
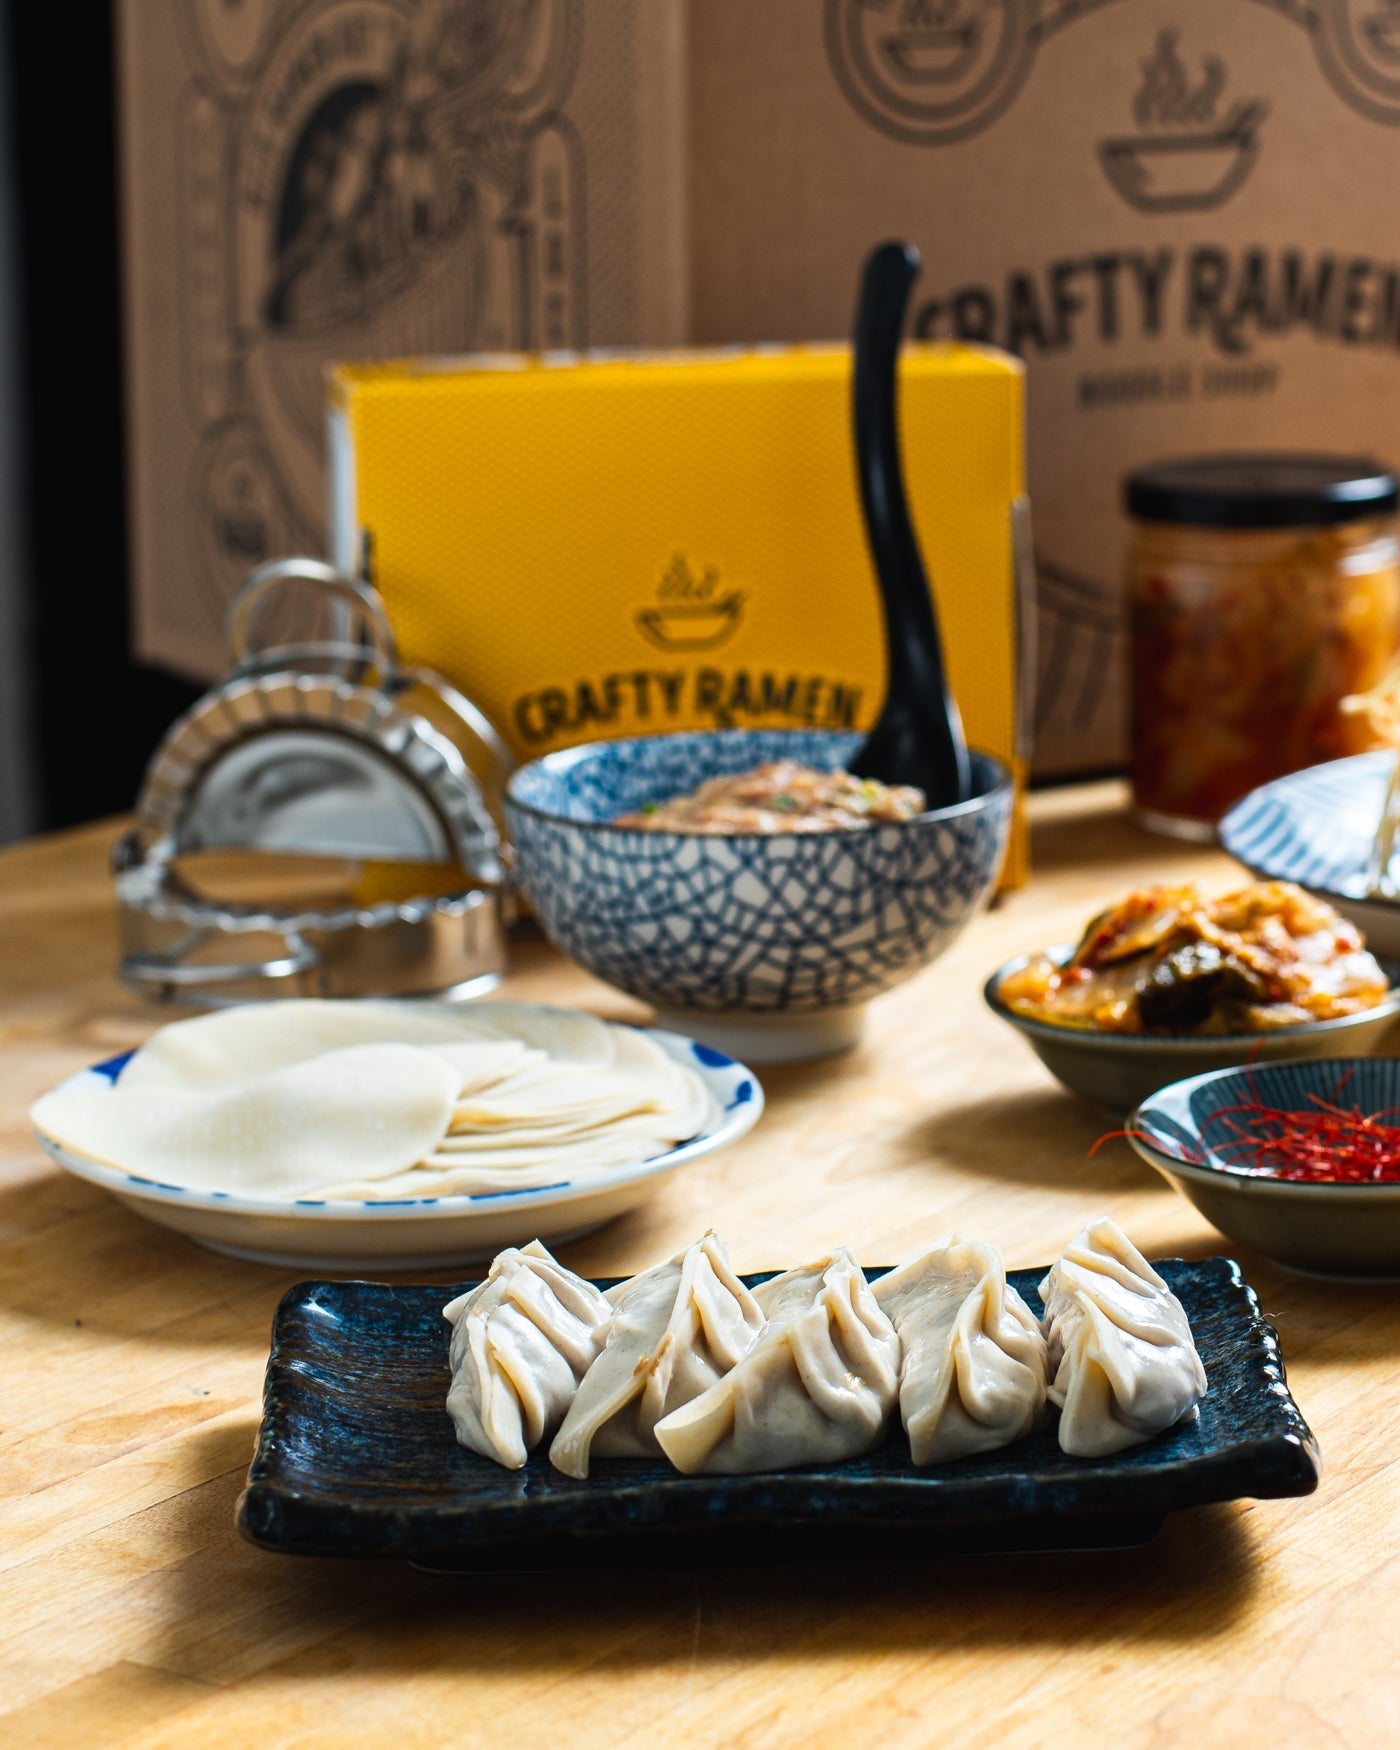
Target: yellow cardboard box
603,545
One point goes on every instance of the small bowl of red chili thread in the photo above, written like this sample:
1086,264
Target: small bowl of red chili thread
1300,1160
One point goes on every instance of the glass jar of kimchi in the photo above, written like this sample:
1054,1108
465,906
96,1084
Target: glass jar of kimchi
1263,589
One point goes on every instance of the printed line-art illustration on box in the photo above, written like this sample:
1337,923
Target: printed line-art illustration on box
360,178
930,72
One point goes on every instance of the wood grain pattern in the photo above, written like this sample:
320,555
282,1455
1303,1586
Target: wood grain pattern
131,1613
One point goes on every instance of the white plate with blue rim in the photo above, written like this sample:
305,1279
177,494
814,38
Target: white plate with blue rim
1316,827
424,1233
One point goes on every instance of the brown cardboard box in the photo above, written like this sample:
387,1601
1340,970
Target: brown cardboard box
1180,212
313,180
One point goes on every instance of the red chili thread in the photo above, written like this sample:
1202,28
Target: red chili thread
1325,1143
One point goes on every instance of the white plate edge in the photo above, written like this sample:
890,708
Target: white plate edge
735,1122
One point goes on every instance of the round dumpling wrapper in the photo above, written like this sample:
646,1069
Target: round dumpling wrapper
231,1046
363,1113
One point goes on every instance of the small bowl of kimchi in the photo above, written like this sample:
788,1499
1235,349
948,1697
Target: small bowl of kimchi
1172,983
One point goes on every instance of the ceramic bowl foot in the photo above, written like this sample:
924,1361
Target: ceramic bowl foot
776,1038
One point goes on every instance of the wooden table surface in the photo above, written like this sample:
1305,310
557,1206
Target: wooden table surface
132,1613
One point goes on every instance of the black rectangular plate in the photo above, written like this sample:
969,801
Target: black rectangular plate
356,1457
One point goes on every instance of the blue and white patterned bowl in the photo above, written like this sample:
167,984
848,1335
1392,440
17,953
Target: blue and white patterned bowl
420,1233
768,945
1315,827
1328,1230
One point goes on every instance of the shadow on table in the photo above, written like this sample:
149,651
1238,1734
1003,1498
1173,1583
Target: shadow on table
1195,1580
1058,1130
230,1611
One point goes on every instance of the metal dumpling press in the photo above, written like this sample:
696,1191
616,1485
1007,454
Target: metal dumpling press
322,823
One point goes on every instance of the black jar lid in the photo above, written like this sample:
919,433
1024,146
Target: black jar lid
1261,491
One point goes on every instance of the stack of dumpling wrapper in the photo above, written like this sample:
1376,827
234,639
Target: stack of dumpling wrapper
382,1100
685,1362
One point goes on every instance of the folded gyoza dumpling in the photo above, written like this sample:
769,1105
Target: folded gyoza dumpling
973,1373
675,1330
1122,1359
521,1342
817,1386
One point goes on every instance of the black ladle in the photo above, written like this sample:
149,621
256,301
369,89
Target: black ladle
917,738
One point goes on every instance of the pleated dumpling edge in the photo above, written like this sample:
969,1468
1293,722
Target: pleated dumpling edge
675,1330
973,1373
521,1342
818,1384
1123,1361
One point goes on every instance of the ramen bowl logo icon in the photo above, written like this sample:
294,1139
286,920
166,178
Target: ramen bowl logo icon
691,612
1187,157
933,43
931,71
